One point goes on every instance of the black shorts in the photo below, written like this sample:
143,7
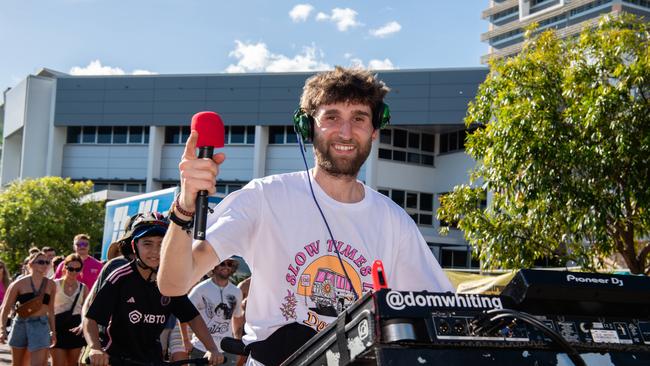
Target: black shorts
68,340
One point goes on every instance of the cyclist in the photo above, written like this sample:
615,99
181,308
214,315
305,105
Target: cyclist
130,305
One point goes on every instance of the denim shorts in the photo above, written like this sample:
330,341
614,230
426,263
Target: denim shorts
32,333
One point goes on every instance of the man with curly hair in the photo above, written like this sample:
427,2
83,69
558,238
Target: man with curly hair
307,267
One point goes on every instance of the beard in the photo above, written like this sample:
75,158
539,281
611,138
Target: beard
341,166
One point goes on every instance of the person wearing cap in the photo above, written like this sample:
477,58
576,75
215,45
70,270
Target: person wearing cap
91,266
130,305
219,302
119,253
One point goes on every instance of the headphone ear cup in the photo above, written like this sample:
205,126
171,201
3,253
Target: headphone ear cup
382,116
303,124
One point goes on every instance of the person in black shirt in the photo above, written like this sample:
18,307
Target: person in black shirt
130,305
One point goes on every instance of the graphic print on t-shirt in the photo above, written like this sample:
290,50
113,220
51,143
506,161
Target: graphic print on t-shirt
219,315
319,282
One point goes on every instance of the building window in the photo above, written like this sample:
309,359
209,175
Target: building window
74,135
169,185
177,134
237,134
418,205
232,134
135,134
643,3
407,146
108,135
452,141
282,135
88,136
250,134
453,258
116,185
104,135
228,187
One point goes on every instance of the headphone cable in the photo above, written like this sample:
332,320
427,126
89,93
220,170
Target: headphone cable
313,195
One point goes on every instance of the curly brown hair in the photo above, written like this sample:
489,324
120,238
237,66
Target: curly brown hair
342,85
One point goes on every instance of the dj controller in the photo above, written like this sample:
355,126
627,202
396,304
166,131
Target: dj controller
540,318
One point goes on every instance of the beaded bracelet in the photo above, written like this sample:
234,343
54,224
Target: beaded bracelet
180,209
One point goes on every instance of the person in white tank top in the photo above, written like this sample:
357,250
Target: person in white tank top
70,295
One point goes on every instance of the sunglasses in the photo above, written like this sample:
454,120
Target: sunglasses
41,262
73,269
82,244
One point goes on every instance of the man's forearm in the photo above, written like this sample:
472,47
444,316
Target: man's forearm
175,272
237,325
91,333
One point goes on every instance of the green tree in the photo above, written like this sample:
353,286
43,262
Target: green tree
563,147
46,211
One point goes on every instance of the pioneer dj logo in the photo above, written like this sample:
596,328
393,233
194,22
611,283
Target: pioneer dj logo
605,281
399,301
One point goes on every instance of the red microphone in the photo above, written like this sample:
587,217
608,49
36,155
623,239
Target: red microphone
209,125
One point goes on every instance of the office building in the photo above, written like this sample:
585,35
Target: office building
127,133
508,19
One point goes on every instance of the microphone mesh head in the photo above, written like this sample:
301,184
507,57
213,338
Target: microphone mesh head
209,125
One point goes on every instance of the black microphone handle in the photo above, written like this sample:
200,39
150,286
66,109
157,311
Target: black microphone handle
201,217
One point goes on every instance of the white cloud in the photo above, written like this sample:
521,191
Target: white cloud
373,64
95,67
384,64
256,57
345,18
386,30
322,16
300,12
143,72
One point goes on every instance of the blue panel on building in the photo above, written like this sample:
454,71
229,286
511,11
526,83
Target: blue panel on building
420,97
134,82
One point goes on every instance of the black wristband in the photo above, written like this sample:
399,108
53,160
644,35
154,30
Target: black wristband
186,225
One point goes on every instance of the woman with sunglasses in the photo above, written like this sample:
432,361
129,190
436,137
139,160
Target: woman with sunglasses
70,295
31,336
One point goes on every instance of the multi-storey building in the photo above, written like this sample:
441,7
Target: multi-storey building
126,133
508,19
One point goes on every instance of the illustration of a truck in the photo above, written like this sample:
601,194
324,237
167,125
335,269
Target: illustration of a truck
331,290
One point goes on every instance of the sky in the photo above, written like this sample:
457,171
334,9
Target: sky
119,37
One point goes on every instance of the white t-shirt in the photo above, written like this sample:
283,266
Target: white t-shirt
274,224
217,306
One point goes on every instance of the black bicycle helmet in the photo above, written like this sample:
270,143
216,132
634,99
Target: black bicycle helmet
147,224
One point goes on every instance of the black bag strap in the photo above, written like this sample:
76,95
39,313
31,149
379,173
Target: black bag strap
74,303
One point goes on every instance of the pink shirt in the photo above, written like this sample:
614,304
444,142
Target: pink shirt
89,273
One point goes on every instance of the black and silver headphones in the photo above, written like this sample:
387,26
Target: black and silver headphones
303,122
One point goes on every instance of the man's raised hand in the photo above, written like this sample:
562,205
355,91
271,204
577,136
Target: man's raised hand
197,174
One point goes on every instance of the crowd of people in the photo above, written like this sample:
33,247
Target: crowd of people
42,307
310,238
